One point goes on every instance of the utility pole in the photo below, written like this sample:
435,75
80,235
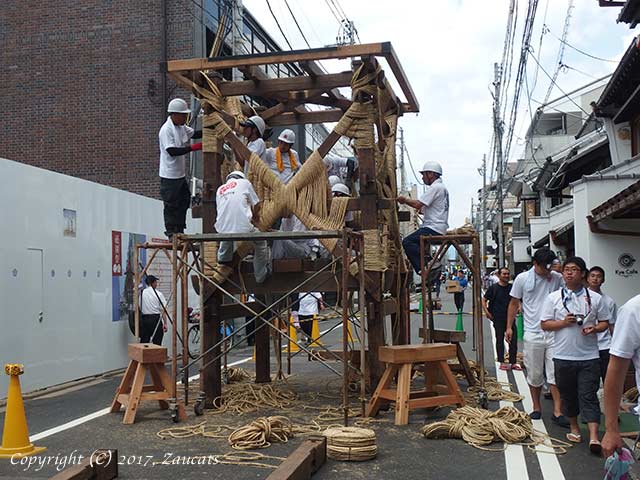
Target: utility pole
237,42
403,177
483,212
497,125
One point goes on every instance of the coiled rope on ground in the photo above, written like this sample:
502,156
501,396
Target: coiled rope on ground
479,428
261,433
241,398
351,444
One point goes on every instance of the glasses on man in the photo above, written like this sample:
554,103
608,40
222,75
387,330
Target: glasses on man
571,269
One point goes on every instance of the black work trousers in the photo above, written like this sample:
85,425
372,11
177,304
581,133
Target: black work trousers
306,323
458,298
500,327
578,382
151,329
177,199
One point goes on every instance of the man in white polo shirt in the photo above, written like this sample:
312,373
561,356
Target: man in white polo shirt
433,204
532,288
595,279
625,346
576,315
284,160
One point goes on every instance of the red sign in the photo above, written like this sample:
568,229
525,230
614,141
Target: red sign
116,253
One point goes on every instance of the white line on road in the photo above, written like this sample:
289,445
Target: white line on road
104,411
514,461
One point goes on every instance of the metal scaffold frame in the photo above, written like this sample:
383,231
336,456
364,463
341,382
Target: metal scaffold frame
182,267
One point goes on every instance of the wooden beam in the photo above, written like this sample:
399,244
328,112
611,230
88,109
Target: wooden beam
274,111
285,282
294,118
101,465
392,59
303,462
264,87
237,61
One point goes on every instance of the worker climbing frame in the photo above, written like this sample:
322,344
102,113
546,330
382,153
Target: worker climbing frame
369,119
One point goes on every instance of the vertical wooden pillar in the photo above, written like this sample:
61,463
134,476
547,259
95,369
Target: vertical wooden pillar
210,377
261,340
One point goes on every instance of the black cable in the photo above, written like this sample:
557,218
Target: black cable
278,24
581,51
296,22
411,165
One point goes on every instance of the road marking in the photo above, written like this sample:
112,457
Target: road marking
548,460
104,411
514,461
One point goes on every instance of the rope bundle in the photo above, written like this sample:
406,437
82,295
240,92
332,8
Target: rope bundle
261,433
479,427
237,374
351,444
241,398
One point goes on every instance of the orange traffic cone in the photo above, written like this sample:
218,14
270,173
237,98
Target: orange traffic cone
315,333
15,436
293,343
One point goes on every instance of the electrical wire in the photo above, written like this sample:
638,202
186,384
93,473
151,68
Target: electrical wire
411,165
543,32
333,12
565,32
586,54
564,66
278,24
297,24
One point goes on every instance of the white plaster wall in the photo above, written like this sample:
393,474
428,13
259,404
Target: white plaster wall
601,249
539,228
619,140
76,337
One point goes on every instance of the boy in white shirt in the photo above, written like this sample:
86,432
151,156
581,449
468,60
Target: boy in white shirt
576,314
595,279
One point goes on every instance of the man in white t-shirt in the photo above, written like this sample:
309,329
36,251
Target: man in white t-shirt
253,130
236,204
309,304
625,346
576,315
284,160
433,204
153,307
174,139
595,279
532,288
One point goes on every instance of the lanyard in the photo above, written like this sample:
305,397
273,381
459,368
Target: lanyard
587,300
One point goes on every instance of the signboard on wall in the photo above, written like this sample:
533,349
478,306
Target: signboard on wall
122,273
626,261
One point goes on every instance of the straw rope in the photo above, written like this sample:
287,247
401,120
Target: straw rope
479,428
351,444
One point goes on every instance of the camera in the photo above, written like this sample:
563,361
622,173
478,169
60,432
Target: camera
579,318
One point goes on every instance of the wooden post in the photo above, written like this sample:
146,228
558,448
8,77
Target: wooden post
210,377
261,342
136,292
184,299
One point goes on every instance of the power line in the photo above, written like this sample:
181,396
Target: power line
278,24
543,32
568,67
581,51
565,32
296,22
411,164
333,12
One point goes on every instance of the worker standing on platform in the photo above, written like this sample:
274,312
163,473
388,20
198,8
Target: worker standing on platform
433,204
153,307
237,211
340,167
253,131
284,160
174,138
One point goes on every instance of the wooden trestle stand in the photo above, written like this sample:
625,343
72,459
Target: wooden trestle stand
145,357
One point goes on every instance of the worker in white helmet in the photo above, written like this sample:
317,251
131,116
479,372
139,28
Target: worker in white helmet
253,130
341,190
284,160
175,142
333,179
237,207
433,204
341,167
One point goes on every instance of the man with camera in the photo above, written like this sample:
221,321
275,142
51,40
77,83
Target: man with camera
576,315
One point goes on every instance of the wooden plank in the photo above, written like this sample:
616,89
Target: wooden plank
445,336
286,84
147,353
392,59
237,61
125,385
101,465
428,352
402,395
303,462
376,399
134,396
284,282
294,118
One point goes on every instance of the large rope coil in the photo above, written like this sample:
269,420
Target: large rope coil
261,433
351,444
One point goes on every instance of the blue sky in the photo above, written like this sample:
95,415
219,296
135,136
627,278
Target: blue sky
448,48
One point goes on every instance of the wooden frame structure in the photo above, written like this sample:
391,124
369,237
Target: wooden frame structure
371,91
443,242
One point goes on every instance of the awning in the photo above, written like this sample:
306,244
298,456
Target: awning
630,13
630,107
625,204
544,241
563,235
582,160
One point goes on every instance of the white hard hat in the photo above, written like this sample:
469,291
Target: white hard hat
178,105
255,121
235,174
434,167
333,179
341,188
287,136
